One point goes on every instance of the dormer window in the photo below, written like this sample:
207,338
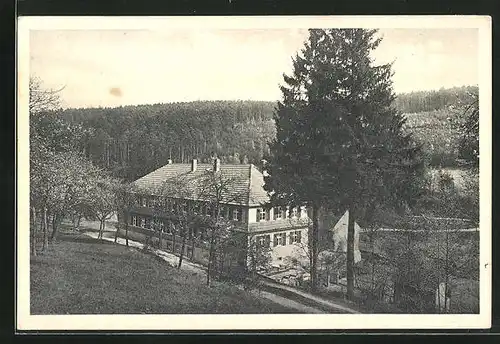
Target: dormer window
277,213
262,214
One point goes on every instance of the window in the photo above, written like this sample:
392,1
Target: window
280,239
142,222
263,240
197,208
299,212
147,222
294,213
262,214
278,214
237,214
143,201
155,202
134,220
162,226
168,228
295,237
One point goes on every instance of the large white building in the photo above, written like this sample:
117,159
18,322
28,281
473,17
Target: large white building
283,229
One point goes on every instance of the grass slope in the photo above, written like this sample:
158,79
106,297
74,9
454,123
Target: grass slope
80,275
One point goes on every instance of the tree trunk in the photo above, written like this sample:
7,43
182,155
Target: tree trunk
446,272
55,219
350,254
314,248
118,229
373,262
41,222
210,258
438,262
33,232
45,235
192,246
101,229
173,240
74,221
183,247
126,233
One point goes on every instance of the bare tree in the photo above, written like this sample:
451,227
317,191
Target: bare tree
181,189
217,189
102,202
125,200
42,99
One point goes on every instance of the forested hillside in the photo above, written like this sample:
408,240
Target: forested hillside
426,101
436,119
133,140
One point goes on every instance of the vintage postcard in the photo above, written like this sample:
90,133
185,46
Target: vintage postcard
254,173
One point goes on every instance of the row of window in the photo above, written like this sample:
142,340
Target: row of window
149,223
280,239
278,213
197,207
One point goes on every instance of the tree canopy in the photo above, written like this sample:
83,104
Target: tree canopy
339,139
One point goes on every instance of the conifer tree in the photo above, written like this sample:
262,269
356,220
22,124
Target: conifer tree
339,141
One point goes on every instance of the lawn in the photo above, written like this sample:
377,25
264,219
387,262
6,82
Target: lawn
81,275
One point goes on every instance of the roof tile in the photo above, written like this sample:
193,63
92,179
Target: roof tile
246,182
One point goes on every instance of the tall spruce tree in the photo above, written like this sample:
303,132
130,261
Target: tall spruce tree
339,141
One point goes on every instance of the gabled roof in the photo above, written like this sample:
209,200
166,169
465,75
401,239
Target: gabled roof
245,184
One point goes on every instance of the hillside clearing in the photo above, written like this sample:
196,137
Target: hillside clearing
81,275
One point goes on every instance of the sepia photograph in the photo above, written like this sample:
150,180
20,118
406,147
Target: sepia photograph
235,173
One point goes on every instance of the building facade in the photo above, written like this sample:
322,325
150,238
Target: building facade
244,202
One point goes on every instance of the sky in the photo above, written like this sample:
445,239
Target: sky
111,68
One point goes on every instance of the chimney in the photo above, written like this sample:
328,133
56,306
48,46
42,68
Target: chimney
169,162
194,164
264,170
217,165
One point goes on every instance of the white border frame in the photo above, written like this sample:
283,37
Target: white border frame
25,321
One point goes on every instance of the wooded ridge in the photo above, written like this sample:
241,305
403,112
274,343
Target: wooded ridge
134,140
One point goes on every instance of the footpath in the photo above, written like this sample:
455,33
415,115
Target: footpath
284,295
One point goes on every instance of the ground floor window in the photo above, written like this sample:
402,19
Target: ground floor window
263,240
280,239
295,237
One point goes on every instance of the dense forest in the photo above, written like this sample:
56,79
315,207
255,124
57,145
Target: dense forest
133,140
426,101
